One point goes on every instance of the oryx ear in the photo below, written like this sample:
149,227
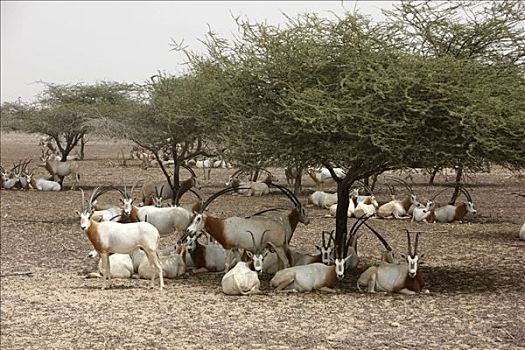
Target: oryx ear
250,254
421,256
317,247
403,256
78,213
346,259
270,247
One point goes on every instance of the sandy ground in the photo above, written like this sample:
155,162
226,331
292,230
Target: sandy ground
474,271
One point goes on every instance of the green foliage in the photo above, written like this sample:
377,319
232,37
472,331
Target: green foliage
66,112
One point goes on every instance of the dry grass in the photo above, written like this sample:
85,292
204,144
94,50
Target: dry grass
475,273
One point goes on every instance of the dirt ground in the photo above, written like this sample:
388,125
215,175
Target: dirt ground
474,271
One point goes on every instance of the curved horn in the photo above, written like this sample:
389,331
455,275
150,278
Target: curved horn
220,193
331,238
381,239
133,187
409,243
97,192
437,194
195,193
415,243
391,189
83,208
466,193
123,193
404,183
288,194
236,173
366,187
353,232
253,240
262,238
324,232
190,170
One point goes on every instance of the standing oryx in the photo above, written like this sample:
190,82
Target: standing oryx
58,170
167,220
232,233
112,237
152,190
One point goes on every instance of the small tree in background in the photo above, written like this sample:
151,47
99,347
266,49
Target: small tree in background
64,112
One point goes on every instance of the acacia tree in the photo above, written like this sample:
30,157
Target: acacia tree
64,112
167,118
317,92
481,48
346,92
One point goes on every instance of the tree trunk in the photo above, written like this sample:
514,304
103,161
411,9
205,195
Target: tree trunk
433,175
459,176
297,186
82,146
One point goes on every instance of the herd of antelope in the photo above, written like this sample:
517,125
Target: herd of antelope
126,236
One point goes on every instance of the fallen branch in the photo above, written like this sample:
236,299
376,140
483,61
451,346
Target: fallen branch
66,248
26,273
428,231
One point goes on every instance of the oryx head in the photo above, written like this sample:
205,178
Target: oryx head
127,199
326,248
260,251
157,199
191,242
196,226
86,211
340,267
412,258
470,204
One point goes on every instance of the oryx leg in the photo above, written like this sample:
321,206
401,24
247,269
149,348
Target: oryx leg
153,259
406,291
372,282
106,270
285,283
327,289
282,260
232,257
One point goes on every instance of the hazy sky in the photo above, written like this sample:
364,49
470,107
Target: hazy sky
69,42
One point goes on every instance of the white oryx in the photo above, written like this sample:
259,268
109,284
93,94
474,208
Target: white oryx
167,220
43,184
120,266
58,170
112,237
322,175
173,265
403,278
241,280
316,276
453,212
322,199
232,233
205,257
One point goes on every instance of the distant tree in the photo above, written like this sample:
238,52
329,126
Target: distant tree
64,112
168,119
